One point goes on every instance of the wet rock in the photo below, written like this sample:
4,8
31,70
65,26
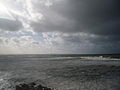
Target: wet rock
31,86
18,87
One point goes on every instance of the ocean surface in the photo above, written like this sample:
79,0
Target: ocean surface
60,72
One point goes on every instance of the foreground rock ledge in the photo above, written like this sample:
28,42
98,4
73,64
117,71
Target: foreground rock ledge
31,86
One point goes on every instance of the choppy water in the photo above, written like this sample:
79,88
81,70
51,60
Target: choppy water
61,72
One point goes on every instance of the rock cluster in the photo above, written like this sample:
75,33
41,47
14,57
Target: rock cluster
31,86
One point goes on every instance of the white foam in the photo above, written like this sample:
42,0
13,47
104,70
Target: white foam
99,58
3,80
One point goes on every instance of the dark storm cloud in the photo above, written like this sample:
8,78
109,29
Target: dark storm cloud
98,19
94,44
89,39
10,25
91,16
95,16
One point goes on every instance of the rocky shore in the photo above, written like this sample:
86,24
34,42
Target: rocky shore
31,86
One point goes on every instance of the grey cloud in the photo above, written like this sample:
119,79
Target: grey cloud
93,16
91,26
90,38
1,40
87,43
10,25
100,18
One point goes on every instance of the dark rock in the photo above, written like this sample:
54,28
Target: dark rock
31,86
18,87
39,87
25,87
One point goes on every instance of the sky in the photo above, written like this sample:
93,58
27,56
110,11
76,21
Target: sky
59,26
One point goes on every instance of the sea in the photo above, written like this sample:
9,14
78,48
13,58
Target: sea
60,72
